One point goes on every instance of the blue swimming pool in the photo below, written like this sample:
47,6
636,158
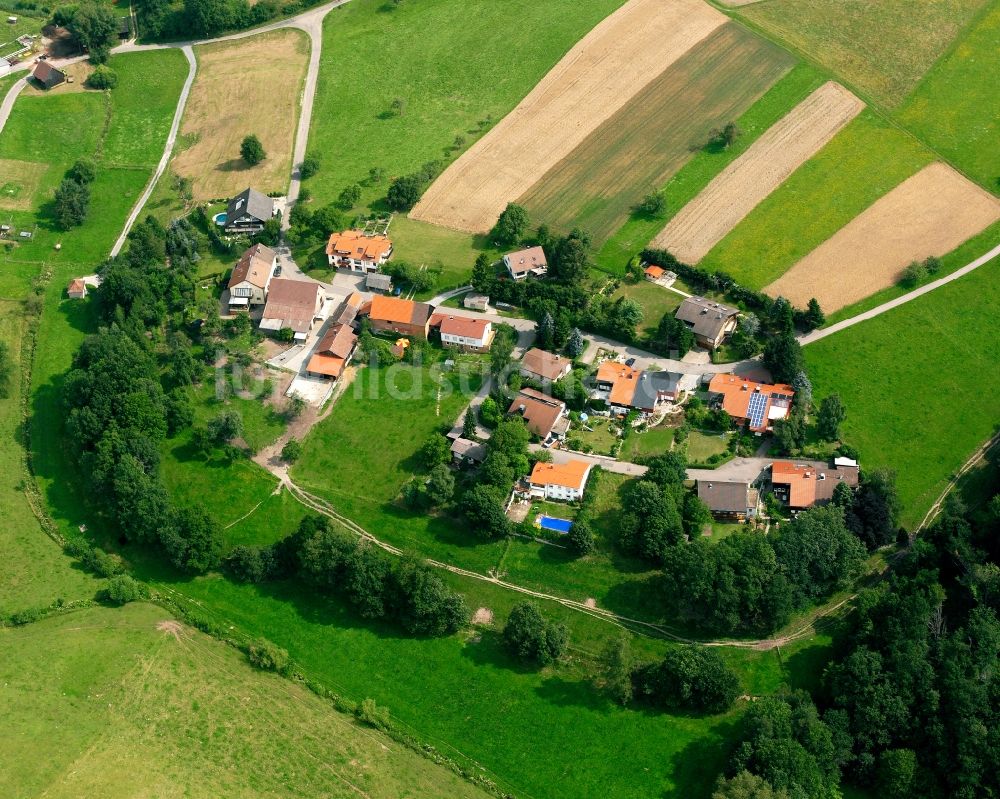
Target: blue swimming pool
220,219
551,523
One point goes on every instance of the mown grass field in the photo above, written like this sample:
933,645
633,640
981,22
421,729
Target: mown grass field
657,131
654,441
540,733
639,229
252,85
452,65
881,48
863,162
138,710
35,571
919,384
654,300
956,108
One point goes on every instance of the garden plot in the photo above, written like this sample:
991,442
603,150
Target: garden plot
739,188
930,213
19,180
591,84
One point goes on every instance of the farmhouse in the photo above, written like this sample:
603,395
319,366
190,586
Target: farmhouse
565,481
522,263
395,315
251,277
353,250
464,450
804,484
654,273
248,211
545,416
293,304
77,289
476,302
625,388
756,404
730,499
461,332
378,281
47,75
333,353
711,322
544,366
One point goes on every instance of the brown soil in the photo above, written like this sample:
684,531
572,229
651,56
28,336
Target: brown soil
171,627
482,617
766,164
588,86
930,213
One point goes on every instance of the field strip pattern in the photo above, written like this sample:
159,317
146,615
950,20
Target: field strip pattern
766,164
596,186
589,85
931,213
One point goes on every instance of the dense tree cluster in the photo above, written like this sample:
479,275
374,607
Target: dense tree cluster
72,198
405,190
688,678
92,26
375,584
749,583
914,689
532,638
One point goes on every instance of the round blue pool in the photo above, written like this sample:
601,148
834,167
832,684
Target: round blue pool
220,219
558,525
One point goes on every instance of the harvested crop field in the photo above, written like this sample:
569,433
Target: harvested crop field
742,185
248,86
930,213
19,180
656,133
589,85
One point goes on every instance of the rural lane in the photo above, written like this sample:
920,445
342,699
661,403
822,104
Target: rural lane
167,151
818,335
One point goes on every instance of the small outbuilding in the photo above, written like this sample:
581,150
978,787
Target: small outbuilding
77,289
378,281
48,76
476,302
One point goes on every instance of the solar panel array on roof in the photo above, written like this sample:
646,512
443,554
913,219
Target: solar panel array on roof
758,403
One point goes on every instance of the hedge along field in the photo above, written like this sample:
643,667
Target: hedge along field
878,48
144,706
451,62
657,131
920,388
639,229
956,109
862,163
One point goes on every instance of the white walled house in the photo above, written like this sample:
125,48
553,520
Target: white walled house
251,277
464,333
561,481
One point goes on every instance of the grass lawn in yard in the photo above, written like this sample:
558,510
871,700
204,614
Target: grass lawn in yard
880,48
956,108
249,86
450,64
447,254
654,300
882,368
640,229
863,162
702,446
379,426
647,444
143,705
601,438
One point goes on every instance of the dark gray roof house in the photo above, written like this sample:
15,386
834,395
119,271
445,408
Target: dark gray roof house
733,499
710,321
248,211
378,281
654,387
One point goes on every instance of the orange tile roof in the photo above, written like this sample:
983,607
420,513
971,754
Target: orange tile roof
736,393
354,244
655,272
801,481
462,326
329,365
395,309
546,365
77,284
623,379
339,341
572,474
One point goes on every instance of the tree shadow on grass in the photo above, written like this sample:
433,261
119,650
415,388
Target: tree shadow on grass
805,668
697,766
485,648
233,165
